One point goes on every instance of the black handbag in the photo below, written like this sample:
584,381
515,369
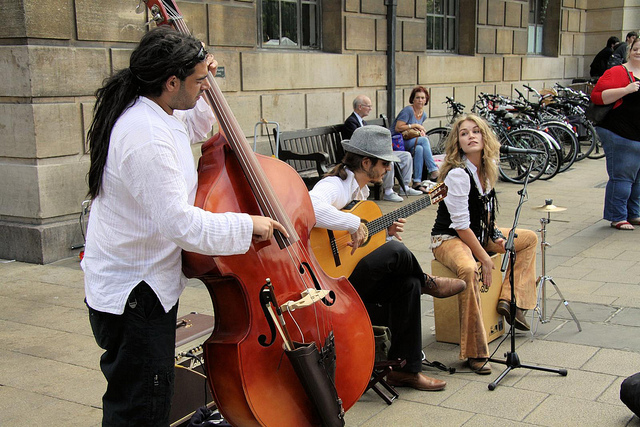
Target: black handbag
596,113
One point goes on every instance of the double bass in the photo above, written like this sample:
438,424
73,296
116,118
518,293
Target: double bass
252,383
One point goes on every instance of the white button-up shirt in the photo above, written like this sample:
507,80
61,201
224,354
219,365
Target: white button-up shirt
330,195
458,189
144,215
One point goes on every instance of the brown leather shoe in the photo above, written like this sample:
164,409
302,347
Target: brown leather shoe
480,366
415,380
442,287
521,321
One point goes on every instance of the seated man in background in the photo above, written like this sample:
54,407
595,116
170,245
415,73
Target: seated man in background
390,275
361,109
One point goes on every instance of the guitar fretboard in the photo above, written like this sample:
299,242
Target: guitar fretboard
385,221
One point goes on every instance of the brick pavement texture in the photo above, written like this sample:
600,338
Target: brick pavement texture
50,374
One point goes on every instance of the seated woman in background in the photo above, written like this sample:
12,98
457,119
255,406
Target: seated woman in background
464,231
411,117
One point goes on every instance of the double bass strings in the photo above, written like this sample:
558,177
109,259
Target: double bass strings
263,190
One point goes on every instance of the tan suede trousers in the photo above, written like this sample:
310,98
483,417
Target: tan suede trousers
457,256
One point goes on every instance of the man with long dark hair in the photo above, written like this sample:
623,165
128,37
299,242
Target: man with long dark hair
390,276
143,182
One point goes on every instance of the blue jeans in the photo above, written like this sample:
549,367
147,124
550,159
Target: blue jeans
138,361
622,195
421,156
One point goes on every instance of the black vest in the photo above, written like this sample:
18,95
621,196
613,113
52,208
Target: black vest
482,212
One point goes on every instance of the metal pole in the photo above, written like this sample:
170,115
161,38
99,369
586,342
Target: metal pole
391,58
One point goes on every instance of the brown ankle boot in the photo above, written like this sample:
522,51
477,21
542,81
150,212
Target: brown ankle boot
442,287
521,321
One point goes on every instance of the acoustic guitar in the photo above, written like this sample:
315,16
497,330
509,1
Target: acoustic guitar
330,246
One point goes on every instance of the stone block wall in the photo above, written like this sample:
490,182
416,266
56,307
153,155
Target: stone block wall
54,54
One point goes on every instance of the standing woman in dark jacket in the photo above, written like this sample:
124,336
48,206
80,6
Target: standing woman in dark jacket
465,231
620,136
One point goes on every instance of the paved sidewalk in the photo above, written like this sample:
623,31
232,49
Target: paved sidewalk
49,373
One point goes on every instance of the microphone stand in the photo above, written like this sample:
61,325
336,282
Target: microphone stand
512,360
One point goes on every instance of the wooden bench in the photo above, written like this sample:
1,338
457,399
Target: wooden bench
314,152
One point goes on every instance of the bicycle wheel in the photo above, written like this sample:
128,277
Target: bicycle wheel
566,138
586,136
437,136
598,151
514,167
555,157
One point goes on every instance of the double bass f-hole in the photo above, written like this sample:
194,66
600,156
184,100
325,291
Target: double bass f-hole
273,312
305,266
269,305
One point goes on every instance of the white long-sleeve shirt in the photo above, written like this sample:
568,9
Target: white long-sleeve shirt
457,200
144,215
330,195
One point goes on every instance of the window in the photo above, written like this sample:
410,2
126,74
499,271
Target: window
537,15
441,25
290,24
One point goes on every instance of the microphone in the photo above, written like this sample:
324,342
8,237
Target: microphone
513,150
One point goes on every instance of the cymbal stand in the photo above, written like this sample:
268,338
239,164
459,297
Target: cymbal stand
541,303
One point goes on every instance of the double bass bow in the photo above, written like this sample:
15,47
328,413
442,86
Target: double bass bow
252,383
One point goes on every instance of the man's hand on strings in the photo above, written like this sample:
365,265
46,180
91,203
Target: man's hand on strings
212,64
263,228
359,237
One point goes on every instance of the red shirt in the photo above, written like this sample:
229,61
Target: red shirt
623,119
613,78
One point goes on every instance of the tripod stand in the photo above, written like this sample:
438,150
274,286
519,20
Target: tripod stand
541,304
512,360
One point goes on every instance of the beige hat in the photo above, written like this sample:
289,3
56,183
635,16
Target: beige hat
371,141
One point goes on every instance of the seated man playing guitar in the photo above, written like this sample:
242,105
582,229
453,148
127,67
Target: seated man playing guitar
390,275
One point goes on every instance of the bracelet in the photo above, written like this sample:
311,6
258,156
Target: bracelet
409,125
497,234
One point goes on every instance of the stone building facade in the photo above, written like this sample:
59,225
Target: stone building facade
54,54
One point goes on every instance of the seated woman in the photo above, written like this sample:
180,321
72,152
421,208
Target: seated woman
412,117
464,231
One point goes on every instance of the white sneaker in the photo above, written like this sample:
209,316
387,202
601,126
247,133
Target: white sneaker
393,197
412,192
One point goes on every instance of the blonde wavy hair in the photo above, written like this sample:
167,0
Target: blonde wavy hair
488,170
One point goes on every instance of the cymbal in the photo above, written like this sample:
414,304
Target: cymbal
549,208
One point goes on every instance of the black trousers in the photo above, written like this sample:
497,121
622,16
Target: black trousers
391,276
138,361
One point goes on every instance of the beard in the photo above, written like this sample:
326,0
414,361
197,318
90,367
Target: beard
374,176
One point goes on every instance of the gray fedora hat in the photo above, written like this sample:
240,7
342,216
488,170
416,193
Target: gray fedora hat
371,141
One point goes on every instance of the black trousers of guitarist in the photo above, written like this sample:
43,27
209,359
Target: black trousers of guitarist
392,277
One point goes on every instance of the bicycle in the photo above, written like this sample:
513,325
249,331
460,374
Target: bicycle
575,103
514,167
438,135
